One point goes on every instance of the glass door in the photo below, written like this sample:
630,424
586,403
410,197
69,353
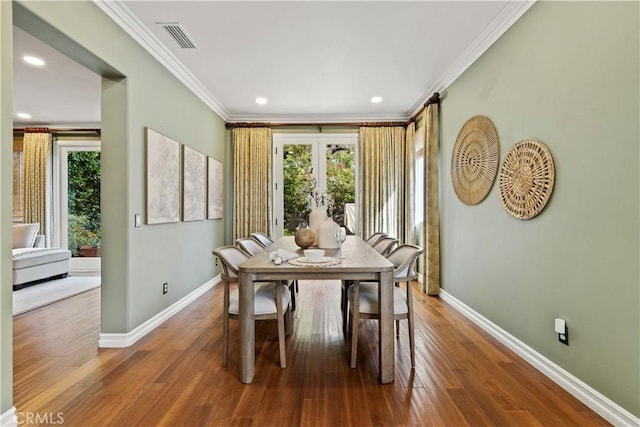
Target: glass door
77,209
311,165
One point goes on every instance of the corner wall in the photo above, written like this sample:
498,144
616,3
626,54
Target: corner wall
567,74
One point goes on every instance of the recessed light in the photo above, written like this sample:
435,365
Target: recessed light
33,61
376,99
260,100
23,115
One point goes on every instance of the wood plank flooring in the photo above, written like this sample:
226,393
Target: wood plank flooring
174,376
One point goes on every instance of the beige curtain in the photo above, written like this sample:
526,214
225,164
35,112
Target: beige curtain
251,181
385,181
431,228
37,180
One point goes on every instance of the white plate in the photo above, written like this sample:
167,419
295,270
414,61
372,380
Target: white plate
304,259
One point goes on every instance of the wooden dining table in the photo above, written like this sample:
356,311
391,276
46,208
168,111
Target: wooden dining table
360,262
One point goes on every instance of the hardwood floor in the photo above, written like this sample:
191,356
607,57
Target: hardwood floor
174,376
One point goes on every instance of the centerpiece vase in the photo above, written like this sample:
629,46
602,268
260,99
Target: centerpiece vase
317,217
327,234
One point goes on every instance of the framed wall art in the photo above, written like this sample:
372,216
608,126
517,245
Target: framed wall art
215,187
162,178
193,184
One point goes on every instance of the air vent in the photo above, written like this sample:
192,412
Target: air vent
178,34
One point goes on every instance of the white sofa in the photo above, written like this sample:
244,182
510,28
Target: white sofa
32,262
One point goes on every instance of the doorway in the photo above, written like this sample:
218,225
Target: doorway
77,174
314,170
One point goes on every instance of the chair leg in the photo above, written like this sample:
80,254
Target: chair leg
292,291
412,341
344,306
355,307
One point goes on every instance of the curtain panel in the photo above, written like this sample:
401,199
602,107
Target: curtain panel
431,228
37,181
386,181
251,181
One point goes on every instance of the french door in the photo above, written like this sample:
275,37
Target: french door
77,204
310,170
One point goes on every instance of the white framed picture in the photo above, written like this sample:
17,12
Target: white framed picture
215,188
193,184
162,178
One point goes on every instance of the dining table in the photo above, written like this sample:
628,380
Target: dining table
354,261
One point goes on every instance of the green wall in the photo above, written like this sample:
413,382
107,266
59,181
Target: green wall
6,188
138,92
567,74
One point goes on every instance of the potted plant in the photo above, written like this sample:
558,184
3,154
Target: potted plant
83,242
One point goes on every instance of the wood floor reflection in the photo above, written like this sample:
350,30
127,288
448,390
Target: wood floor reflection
174,376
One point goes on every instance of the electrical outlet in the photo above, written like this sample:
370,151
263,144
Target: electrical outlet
564,338
216,261
165,288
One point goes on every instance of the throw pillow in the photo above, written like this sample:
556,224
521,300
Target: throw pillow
24,235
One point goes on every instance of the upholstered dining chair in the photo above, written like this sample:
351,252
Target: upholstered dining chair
262,238
371,240
364,304
385,245
253,247
271,300
249,245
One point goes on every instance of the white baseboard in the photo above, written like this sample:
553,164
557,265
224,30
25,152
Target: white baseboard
129,338
9,418
595,400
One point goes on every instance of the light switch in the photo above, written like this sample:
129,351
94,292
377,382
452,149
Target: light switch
136,220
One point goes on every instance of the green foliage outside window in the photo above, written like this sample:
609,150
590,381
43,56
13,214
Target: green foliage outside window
84,199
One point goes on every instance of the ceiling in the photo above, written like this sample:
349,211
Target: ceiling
313,61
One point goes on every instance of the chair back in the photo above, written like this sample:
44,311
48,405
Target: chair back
384,245
371,240
262,238
404,259
230,257
249,245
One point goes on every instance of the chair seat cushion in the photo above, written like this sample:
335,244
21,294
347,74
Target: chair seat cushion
265,299
368,301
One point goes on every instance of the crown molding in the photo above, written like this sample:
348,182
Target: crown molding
513,11
123,17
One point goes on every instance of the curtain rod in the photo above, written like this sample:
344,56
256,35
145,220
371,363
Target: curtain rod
434,99
50,130
349,124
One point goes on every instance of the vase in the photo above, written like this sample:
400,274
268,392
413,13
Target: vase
317,217
326,234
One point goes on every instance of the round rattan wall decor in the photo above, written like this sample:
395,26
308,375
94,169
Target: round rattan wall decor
474,163
526,179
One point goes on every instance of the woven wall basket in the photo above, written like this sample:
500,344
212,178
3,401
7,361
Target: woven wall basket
474,163
526,179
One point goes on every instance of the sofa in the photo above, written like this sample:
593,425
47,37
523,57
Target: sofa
32,261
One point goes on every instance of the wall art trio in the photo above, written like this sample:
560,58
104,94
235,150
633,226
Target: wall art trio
199,187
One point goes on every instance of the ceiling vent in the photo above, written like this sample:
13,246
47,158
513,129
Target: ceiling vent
178,34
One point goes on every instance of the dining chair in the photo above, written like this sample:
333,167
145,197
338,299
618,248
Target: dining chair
253,247
371,240
249,245
262,238
385,245
364,304
271,300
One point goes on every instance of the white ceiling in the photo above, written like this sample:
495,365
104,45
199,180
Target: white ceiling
313,61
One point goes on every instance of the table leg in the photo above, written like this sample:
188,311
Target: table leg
247,327
387,357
